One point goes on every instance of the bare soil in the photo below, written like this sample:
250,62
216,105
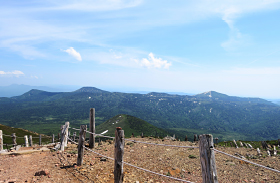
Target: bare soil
182,163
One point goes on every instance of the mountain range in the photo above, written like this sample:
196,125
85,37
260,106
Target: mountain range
225,116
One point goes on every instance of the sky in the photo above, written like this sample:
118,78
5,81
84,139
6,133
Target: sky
194,46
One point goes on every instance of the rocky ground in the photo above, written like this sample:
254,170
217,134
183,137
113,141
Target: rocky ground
182,163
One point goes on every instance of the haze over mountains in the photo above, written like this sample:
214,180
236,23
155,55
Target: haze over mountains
209,112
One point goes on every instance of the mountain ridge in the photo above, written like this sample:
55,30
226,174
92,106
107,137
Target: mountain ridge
254,118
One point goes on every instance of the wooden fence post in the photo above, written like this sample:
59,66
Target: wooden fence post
40,139
1,141
82,138
216,139
14,139
186,138
64,135
119,151
92,127
195,138
52,138
235,143
26,140
74,136
274,151
30,141
207,159
142,135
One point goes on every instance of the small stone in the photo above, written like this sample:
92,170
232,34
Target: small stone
103,159
42,172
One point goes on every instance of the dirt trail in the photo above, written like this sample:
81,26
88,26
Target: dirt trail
178,162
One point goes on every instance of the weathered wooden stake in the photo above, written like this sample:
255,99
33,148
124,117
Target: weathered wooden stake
207,159
64,133
52,138
186,138
26,140
132,135
82,138
259,152
274,151
14,139
74,136
40,139
264,145
142,135
30,141
119,151
241,144
92,127
250,145
195,138
268,152
216,139
1,141
225,143
235,143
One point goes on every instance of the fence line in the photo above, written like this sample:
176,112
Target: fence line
174,178
140,141
247,161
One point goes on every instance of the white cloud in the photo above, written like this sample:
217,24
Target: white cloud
94,5
153,62
73,53
15,73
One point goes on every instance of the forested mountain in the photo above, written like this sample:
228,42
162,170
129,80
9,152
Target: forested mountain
129,124
209,112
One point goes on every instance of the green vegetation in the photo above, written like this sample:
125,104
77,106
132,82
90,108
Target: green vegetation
223,116
20,133
130,125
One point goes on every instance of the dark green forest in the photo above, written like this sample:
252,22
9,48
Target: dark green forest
210,112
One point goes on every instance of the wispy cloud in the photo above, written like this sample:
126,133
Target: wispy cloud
94,5
71,51
153,62
14,73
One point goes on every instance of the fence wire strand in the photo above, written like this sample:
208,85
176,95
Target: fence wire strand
135,166
140,141
247,161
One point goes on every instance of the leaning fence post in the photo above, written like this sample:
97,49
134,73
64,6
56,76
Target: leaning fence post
82,138
14,139
40,139
26,140
30,141
92,128
1,141
207,159
119,151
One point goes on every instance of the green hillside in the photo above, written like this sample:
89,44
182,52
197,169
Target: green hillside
130,125
20,133
209,112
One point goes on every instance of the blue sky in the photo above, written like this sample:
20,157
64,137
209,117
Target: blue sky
193,46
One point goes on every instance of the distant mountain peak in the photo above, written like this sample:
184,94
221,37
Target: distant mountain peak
88,89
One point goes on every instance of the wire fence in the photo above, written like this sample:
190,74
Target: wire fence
174,178
135,141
